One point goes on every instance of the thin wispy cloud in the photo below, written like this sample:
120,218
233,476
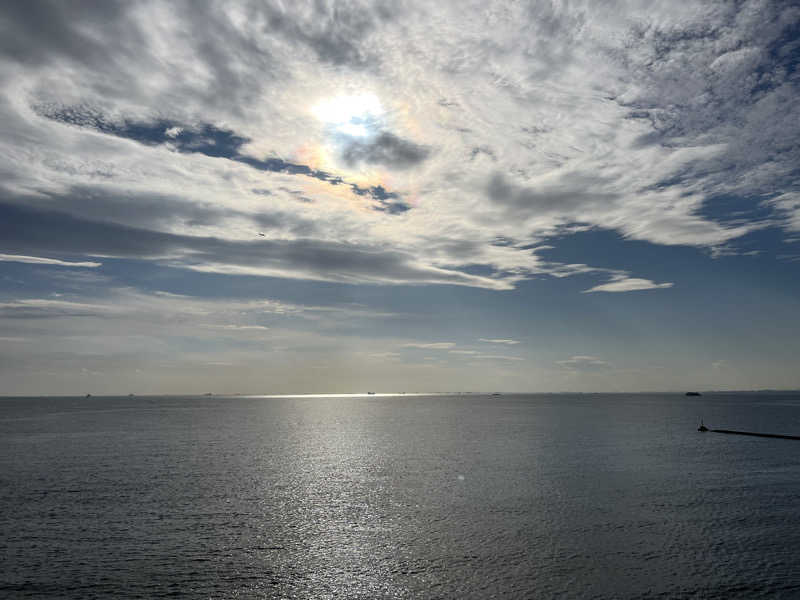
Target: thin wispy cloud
38,260
239,327
628,284
430,345
584,363
385,355
34,308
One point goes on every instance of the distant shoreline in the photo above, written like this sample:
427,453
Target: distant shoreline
681,393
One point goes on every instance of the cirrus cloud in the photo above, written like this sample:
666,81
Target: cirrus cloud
622,283
38,260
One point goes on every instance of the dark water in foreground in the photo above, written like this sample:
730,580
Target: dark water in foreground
596,496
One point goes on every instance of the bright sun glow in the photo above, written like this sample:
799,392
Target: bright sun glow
352,115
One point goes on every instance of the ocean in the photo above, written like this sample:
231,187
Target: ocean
406,496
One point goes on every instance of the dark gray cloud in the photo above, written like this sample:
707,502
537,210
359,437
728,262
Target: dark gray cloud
230,53
157,211
41,31
567,200
107,42
385,149
279,221
108,36
337,32
25,231
466,251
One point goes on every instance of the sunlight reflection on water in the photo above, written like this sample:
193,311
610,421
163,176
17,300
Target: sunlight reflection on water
397,497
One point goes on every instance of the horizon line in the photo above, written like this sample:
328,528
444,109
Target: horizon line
392,394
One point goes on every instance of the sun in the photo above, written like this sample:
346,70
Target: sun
353,116
351,122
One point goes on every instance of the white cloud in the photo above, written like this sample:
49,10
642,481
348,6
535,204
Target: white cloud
37,260
498,357
163,309
722,251
628,284
789,204
499,341
385,355
518,122
46,307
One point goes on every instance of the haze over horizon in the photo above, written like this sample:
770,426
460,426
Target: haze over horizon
340,196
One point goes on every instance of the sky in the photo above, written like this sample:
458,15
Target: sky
330,197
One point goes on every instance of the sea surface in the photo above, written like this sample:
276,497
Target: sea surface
473,496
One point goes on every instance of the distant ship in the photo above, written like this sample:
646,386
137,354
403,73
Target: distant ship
370,393
496,394
693,394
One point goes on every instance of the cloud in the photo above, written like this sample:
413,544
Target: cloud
623,283
385,149
239,327
499,341
721,251
498,357
338,34
214,142
463,352
789,205
36,260
25,230
203,138
584,363
389,355
567,197
430,345
32,33
164,145
38,308
120,329
231,315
